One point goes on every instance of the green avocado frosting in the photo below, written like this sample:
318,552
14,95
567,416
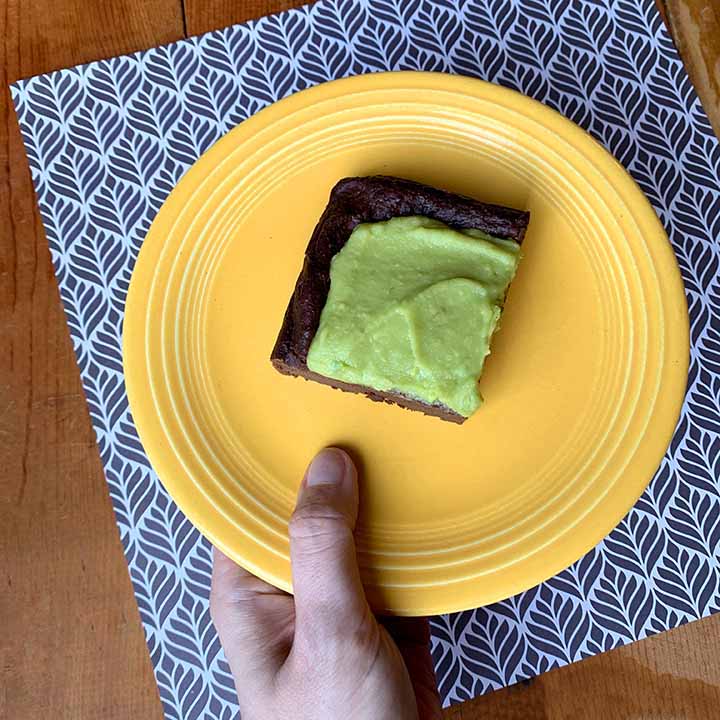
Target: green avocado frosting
412,306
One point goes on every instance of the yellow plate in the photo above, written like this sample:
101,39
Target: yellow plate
583,388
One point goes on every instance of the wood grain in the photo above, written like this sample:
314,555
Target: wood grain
672,676
72,645
695,28
205,15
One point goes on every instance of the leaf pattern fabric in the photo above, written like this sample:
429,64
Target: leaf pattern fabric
106,143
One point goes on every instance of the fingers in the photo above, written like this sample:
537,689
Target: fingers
255,623
329,597
412,637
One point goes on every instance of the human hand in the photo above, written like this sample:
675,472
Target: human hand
322,654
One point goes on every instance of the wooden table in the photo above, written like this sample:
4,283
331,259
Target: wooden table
71,644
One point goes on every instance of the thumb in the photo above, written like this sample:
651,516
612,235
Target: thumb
329,597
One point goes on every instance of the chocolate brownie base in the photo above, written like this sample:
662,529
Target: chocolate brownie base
392,398
363,200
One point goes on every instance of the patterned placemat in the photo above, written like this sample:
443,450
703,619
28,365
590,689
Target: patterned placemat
106,143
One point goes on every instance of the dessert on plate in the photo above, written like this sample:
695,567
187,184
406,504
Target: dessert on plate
401,290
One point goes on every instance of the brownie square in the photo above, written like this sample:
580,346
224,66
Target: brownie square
372,199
